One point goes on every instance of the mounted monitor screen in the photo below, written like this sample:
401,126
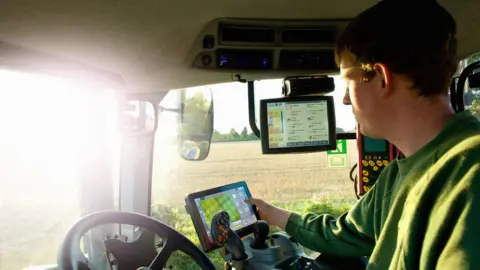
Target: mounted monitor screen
375,145
302,124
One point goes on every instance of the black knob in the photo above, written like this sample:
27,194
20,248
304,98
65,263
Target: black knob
206,60
260,232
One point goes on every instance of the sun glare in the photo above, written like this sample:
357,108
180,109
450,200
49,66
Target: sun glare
46,123
53,132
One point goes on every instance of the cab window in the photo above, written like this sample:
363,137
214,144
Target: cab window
299,182
472,92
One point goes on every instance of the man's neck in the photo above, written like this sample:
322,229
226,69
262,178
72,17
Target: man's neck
418,125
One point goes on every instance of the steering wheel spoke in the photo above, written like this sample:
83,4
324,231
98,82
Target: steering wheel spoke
80,262
68,259
161,259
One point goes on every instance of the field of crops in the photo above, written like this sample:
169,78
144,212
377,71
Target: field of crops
271,177
299,182
33,222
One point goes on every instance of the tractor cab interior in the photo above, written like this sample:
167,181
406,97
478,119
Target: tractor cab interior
133,132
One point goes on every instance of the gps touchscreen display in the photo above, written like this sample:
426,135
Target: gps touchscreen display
231,201
299,124
229,198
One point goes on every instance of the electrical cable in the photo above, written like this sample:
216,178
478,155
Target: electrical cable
453,94
354,180
352,171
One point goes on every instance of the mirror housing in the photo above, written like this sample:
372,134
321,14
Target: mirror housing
196,129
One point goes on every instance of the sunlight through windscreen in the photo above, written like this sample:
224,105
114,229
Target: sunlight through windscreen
47,122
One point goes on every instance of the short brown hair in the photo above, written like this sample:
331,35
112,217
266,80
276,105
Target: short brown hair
413,38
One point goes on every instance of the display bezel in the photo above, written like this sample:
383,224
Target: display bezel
301,149
191,208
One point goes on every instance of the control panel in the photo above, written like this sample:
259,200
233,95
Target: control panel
237,45
373,156
246,245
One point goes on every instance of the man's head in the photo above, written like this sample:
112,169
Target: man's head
394,53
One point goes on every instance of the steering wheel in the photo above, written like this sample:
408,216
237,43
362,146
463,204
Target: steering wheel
70,257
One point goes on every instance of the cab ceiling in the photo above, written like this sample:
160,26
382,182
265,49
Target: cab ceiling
147,42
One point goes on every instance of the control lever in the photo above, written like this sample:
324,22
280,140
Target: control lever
222,235
260,232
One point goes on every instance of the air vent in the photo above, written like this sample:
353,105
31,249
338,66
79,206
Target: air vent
250,34
308,36
244,59
308,60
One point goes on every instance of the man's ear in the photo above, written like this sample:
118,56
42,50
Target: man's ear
385,76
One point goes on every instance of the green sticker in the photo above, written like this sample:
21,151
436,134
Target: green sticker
337,161
338,158
341,148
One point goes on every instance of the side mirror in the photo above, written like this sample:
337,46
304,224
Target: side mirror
196,127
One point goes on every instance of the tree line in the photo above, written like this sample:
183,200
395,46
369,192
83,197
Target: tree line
234,136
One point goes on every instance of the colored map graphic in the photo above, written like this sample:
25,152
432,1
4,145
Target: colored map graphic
212,205
275,127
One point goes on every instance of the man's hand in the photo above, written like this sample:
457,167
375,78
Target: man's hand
272,215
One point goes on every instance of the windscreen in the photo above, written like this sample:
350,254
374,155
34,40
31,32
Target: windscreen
312,184
298,124
231,201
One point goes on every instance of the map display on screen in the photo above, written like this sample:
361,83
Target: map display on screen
231,201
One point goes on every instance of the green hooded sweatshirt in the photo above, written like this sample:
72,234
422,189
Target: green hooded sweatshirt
422,213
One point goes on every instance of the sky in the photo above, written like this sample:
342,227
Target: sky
231,104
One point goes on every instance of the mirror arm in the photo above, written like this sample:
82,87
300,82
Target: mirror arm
251,109
347,136
163,109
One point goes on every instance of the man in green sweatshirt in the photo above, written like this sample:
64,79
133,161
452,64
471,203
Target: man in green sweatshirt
397,59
